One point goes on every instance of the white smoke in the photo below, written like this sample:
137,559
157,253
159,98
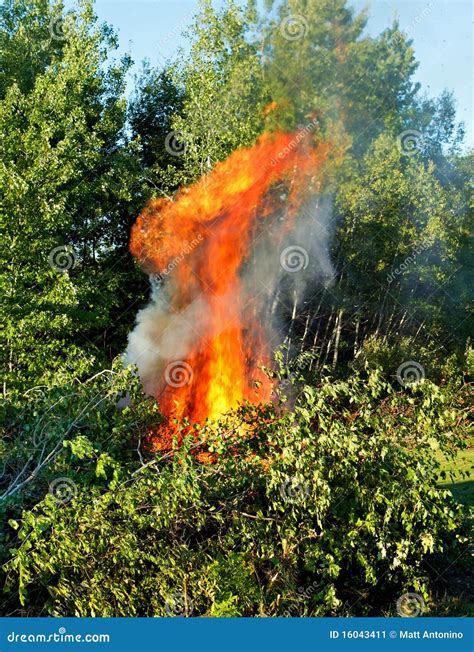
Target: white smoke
296,265
163,335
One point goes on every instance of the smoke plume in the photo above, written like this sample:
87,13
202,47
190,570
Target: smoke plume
224,257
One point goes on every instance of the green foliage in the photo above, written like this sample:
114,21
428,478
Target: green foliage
212,99
65,185
327,502
399,210
157,99
69,430
224,88
300,513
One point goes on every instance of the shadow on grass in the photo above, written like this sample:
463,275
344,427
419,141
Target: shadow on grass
453,590
463,492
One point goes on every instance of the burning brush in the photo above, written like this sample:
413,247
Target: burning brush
200,343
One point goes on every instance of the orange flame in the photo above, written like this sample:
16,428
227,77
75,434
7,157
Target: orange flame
222,212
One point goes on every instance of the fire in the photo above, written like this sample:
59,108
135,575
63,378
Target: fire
224,213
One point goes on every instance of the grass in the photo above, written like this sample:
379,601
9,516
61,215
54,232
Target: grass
460,476
453,590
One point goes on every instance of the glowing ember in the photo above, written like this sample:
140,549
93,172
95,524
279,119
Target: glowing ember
222,212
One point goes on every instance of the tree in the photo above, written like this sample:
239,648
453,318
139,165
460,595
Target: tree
204,105
66,184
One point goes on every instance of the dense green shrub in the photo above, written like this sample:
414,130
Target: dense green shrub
70,432
301,511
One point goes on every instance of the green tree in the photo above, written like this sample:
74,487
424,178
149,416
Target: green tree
395,188
67,183
205,104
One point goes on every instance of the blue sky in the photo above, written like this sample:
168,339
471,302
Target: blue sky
441,31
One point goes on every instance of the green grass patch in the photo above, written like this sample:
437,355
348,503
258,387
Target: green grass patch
460,476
